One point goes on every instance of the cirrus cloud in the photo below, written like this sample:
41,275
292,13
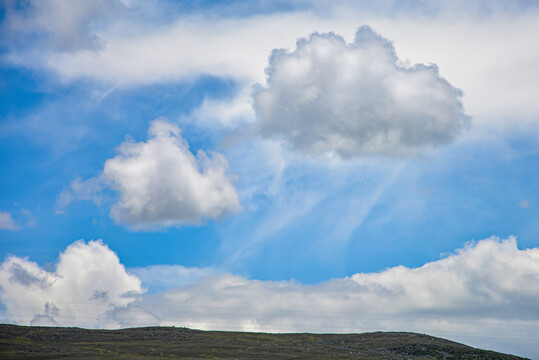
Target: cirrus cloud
484,294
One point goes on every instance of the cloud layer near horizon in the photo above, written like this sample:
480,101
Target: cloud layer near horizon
328,96
489,282
86,286
478,281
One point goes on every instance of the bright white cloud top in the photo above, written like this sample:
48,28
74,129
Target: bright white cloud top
356,99
87,283
161,183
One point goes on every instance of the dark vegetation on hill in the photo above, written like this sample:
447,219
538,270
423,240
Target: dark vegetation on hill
28,342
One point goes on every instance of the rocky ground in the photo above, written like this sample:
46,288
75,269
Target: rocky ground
29,342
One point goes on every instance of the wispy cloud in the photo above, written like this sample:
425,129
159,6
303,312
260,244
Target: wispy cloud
158,278
7,222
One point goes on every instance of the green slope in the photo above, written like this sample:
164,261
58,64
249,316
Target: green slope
27,342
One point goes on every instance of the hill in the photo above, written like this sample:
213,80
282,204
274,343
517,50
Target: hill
29,342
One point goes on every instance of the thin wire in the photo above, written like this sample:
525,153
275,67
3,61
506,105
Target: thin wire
284,312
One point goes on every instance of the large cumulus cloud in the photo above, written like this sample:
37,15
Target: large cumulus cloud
85,288
161,183
328,96
491,279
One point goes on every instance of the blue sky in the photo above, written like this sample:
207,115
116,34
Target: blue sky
297,150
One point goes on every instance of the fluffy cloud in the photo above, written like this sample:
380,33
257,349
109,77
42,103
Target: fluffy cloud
142,48
485,295
161,183
7,222
328,96
87,285
490,278
480,280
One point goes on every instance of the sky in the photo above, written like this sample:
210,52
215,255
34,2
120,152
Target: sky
280,166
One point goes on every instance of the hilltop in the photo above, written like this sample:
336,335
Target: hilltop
30,342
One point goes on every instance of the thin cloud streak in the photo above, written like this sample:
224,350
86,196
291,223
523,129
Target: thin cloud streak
7,222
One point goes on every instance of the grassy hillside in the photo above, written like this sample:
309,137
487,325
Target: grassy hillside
24,342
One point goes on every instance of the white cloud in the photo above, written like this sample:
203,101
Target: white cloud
80,190
354,99
161,183
484,292
71,24
7,222
524,204
226,113
30,219
463,39
484,295
480,280
496,85
87,285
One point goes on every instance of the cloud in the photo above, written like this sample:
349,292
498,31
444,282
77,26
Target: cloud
141,45
225,113
481,280
7,222
88,283
524,204
30,219
80,190
328,96
161,183
484,294
70,24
